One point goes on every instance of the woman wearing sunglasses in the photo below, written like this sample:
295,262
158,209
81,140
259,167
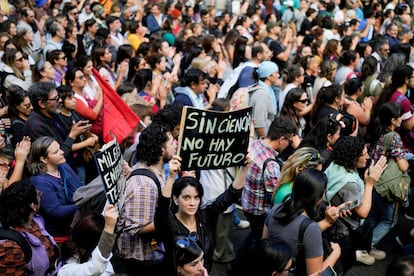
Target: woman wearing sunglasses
16,69
185,216
189,257
295,107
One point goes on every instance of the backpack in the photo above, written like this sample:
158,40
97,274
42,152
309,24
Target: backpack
241,97
300,260
89,198
372,86
150,174
9,234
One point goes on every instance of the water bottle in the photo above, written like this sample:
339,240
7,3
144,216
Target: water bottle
309,90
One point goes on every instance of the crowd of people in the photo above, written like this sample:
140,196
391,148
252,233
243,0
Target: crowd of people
331,85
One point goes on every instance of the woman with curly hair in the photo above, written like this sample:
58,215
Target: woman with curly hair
344,184
19,204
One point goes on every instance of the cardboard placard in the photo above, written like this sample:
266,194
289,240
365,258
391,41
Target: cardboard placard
212,139
109,161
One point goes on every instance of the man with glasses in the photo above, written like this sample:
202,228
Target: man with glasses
44,121
263,175
382,50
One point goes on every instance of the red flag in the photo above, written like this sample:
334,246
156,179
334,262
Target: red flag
117,118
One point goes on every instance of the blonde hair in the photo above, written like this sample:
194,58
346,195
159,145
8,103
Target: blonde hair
302,158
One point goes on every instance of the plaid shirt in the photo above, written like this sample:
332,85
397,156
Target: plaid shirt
253,196
141,197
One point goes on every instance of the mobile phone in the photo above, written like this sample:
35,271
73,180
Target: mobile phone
329,271
351,206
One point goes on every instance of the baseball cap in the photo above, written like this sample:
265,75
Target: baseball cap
266,68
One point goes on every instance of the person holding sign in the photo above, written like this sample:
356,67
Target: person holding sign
186,218
137,245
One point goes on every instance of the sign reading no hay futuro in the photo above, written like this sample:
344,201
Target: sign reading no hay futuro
212,139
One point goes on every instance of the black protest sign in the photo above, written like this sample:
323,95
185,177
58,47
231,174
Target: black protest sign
212,139
109,161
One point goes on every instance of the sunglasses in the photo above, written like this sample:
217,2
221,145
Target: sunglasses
316,156
304,101
20,59
185,242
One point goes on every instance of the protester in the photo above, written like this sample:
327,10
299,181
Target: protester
344,184
19,205
285,220
48,166
88,250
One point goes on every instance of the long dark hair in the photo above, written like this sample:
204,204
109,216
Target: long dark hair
183,182
308,187
318,135
399,76
326,95
382,121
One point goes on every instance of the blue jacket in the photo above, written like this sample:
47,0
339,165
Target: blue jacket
152,23
57,207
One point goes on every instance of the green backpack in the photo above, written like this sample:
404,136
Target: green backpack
393,183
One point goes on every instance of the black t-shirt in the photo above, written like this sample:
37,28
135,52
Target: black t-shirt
277,48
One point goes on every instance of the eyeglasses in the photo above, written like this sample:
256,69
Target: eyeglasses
64,57
185,242
304,101
54,99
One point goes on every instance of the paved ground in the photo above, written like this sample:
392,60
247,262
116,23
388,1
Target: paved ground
388,244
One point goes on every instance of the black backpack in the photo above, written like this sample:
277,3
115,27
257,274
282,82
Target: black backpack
9,234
